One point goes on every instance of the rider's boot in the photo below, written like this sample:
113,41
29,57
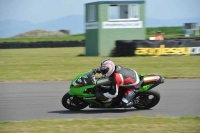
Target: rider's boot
127,101
127,105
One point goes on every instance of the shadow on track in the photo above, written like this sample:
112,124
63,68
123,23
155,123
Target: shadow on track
94,111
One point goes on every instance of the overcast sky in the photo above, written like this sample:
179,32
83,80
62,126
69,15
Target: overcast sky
37,11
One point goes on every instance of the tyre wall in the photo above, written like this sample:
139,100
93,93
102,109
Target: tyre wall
49,44
152,47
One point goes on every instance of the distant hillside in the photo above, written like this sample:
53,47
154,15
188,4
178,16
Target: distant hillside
9,28
75,24
39,33
32,36
150,22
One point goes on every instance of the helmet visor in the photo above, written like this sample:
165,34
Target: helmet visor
104,71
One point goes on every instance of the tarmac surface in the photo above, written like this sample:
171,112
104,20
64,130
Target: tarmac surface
21,101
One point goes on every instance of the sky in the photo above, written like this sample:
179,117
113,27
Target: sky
37,11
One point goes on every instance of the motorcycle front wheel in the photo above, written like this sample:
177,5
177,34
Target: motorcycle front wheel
146,100
73,102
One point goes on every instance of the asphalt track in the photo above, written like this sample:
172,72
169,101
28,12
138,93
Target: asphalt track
42,100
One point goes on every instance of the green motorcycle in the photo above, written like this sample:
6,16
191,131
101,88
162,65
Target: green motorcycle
84,86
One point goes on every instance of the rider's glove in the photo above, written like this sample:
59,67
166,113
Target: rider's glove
97,70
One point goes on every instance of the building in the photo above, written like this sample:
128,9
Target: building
108,21
191,29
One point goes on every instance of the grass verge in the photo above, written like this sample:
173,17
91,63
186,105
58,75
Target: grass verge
136,124
78,37
51,64
169,32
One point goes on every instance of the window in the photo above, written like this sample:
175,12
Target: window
91,13
134,11
192,26
113,12
124,12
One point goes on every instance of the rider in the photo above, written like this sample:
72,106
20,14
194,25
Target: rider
119,77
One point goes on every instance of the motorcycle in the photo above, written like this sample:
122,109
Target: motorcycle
84,86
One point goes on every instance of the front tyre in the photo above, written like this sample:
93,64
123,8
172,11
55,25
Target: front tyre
146,100
73,102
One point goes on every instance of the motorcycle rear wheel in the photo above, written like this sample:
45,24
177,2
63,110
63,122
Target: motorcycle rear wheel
147,100
73,102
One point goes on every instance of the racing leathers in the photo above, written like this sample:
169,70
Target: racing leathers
123,78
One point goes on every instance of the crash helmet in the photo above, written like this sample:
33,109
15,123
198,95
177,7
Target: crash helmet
107,67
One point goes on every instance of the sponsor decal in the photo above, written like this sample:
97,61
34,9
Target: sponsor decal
194,50
93,25
117,25
168,51
89,98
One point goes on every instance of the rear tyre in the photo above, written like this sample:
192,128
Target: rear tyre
73,102
146,100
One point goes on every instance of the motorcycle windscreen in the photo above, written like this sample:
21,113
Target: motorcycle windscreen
82,81
103,81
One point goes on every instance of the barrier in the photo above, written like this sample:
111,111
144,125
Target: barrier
194,50
157,48
162,51
124,48
47,44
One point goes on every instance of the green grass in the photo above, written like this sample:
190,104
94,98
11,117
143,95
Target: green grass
135,124
78,37
53,64
166,30
169,32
